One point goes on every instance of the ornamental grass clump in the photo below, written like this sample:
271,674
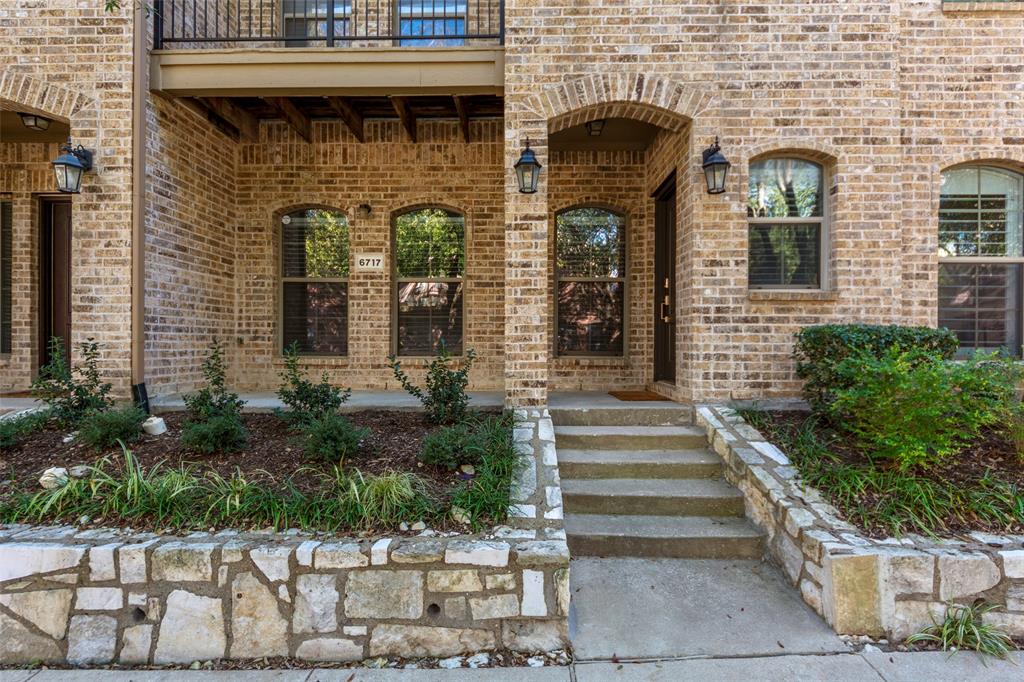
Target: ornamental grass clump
485,498
963,627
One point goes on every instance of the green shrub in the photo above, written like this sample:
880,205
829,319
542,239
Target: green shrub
388,498
487,496
102,430
1013,428
331,437
444,398
70,398
964,627
467,442
305,400
820,349
914,408
15,429
223,433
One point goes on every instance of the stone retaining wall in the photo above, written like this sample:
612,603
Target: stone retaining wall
860,585
110,595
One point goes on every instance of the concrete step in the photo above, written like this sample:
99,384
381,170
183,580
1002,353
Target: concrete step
675,415
629,437
679,537
661,497
690,463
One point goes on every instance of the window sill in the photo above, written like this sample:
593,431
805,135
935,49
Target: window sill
791,295
607,360
961,7
315,361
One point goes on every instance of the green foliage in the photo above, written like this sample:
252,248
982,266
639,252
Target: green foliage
821,349
331,437
326,243
487,496
962,627
444,398
15,429
386,499
220,433
67,397
215,414
1013,428
305,400
590,243
430,243
915,408
103,430
448,447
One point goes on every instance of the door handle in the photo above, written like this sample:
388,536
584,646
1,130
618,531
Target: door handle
666,317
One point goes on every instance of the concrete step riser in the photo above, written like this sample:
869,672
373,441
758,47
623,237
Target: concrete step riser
629,442
593,470
670,416
586,503
673,548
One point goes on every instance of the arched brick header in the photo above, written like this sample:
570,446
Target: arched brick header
994,156
660,101
37,96
811,149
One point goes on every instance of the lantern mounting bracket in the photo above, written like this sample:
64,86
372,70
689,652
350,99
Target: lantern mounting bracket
83,155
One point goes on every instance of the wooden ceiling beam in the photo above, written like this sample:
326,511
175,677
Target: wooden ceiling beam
293,116
349,115
405,115
462,109
247,124
203,110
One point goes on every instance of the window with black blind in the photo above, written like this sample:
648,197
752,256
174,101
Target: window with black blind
980,257
590,287
785,224
314,281
311,18
430,263
6,265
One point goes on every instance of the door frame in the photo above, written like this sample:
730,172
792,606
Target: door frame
44,214
664,368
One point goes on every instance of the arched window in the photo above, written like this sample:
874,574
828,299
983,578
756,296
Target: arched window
430,263
785,224
980,256
590,266
314,281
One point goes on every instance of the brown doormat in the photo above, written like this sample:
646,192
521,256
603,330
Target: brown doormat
636,396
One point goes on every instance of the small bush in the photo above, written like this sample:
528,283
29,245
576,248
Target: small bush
305,400
914,408
1013,428
67,397
223,433
962,627
444,398
487,496
102,430
821,349
13,430
332,437
467,442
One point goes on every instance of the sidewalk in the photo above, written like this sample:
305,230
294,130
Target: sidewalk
873,667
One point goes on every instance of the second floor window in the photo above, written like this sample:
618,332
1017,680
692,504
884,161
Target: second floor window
438,22
310,18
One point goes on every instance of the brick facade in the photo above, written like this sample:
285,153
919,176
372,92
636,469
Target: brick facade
884,95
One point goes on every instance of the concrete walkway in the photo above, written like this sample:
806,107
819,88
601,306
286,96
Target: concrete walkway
850,667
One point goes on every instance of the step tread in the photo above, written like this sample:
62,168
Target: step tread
678,456
659,527
679,430
650,487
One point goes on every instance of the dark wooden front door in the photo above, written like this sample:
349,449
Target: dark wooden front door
665,281
55,274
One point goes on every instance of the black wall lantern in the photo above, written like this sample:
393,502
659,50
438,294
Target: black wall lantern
35,121
70,166
527,170
595,127
716,167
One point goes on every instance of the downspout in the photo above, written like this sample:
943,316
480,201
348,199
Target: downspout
138,297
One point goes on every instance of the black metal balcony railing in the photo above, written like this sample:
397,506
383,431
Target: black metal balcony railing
330,23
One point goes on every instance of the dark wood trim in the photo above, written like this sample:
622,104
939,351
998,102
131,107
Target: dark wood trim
293,116
248,126
462,110
405,115
349,116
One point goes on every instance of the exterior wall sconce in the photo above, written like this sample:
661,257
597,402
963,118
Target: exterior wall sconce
70,166
35,121
527,170
716,167
595,127
364,210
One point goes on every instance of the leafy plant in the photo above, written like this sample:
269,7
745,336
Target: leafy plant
16,428
69,398
305,400
444,398
820,349
103,430
332,437
963,627
464,443
487,496
386,498
1013,428
215,413
221,433
914,408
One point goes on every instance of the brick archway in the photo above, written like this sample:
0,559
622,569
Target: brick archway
37,96
663,102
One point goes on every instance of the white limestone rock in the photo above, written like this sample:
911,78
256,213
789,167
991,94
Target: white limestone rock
91,640
99,599
533,603
46,609
417,641
53,478
192,629
329,649
19,559
384,594
477,553
20,646
179,562
273,562
339,555
316,600
135,645
257,627
454,581
497,606
966,575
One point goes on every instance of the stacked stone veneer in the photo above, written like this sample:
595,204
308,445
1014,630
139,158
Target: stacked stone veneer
860,585
109,595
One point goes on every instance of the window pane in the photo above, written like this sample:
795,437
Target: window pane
590,317
981,303
784,255
591,242
980,212
429,314
314,244
436,18
316,317
430,243
785,188
308,19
